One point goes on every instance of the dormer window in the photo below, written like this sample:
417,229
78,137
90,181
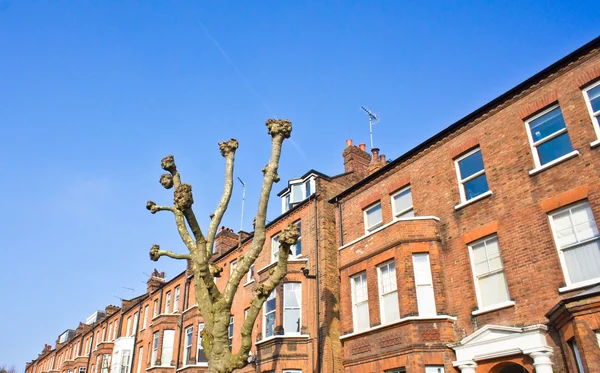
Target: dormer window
298,191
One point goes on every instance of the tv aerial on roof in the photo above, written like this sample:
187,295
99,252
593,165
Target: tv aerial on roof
373,118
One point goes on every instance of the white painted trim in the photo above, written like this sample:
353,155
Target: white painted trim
402,320
295,260
579,285
192,366
473,200
594,144
462,181
595,119
248,283
380,289
352,294
281,336
558,160
532,144
387,225
495,307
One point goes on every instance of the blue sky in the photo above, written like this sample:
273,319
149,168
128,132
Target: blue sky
94,93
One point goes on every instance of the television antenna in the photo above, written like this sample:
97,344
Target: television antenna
243,199
372,120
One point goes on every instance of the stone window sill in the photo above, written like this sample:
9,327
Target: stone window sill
595,143
579,285
495,307
565,157
473,200
282,336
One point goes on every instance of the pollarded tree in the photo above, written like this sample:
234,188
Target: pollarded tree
215,305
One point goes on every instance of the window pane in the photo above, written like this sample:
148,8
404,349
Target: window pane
374,216
307,187
390,307
291,296
297,193
269,324
291,321
422,270
360,287
470,165
403,200
408,214
547,124
493,289
594,96
583,219
426,300
362,315
555,148
583,262
563,228
476,186
271,302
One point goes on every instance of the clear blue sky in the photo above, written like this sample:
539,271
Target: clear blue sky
94,94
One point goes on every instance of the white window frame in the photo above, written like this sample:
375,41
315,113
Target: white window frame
166,347
230,331
476,279
125,363
462,182
250,275
154,355
533,145
128,326
176,301
140,361
275,249
232,266
145,317
365,213
575,351
266,314
434,369
291,371
384,319
187,348
136,317
199,346
398,214
563,263
155,311
294,247
595,116
355,302
423,312
168,303
299,308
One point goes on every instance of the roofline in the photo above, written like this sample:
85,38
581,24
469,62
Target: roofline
473,115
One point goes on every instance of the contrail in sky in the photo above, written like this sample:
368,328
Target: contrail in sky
237,71
248,85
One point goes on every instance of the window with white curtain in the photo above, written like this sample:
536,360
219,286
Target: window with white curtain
388,292
269,315
145,318
402,204
424,285
275,248
360,302
176,302
167,347
577,239
139,361
168,303
125,361
187,349
488,271
292,299
373,217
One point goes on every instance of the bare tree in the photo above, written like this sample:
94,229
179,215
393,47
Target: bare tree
215,305
8,369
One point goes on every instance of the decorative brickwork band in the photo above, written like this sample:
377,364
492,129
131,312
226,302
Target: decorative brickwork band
565,198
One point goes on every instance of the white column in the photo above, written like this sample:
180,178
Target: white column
469,367
541,361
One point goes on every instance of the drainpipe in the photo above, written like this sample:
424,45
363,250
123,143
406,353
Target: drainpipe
87,367
317,285
340,227
137,328
181,331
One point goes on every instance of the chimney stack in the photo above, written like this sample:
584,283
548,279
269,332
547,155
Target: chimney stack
225,240
156,281
356,159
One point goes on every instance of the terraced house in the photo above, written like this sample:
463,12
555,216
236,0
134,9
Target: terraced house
476,251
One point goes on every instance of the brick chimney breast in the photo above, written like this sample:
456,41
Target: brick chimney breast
356,159
225,240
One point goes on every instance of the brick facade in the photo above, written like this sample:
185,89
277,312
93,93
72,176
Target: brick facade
547,324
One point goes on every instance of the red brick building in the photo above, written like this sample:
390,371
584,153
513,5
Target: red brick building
476,251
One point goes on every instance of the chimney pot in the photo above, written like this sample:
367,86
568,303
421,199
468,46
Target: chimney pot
348,143
382,158
375,152
363,147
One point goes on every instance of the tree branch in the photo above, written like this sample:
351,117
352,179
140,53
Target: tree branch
156,253
287,238
228,149
179,220
279,131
